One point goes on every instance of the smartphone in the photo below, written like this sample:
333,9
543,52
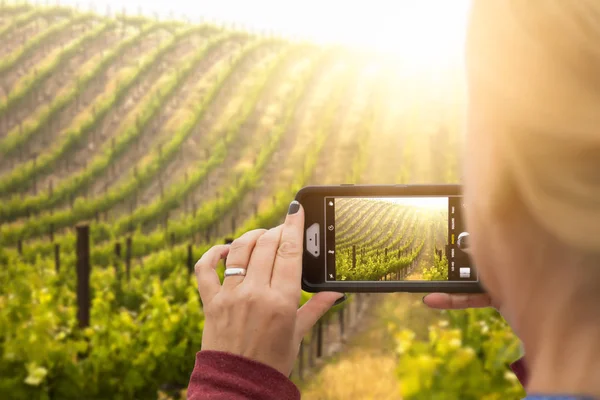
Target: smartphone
386,238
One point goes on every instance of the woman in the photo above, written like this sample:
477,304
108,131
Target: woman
532,189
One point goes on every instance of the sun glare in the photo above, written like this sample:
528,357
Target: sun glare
421,34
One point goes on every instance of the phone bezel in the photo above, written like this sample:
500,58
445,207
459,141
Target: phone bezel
312,197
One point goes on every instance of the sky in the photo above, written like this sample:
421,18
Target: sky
426,30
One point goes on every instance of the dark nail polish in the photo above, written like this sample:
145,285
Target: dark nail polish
341,300
294,207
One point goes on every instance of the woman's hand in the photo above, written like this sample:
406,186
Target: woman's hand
257,315
446,301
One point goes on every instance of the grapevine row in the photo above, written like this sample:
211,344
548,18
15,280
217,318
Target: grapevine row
376,266
41,40
365,221
11,9
17,207
398,239
219,150
30,16
84,210
365,234
357,218
19,137
50,67
379,233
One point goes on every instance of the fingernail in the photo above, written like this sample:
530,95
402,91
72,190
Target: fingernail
294,207
341,300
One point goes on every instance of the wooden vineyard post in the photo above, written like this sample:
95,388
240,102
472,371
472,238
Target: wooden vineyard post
311,353
346,315
320,338
57,257
83,275
172,239
386,254
128,258
118,260
348,309
354,257
20,247
341,317
190,259
51,232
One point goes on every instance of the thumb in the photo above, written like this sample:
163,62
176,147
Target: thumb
308,315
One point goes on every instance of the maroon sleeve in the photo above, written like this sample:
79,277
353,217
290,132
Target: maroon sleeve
219,375
520,369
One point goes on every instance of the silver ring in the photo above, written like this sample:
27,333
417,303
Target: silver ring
235,272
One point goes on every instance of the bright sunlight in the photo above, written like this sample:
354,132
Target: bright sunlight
421,34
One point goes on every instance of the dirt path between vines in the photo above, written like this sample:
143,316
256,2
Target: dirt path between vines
365,368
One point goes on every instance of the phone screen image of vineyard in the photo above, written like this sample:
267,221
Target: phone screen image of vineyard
391,239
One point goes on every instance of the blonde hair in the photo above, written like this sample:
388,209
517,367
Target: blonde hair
537,67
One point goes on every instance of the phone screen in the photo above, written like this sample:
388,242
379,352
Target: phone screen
396,239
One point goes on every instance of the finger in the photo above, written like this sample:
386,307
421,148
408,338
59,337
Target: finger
206,275
308,315
262,259
239,255
287,269
448,301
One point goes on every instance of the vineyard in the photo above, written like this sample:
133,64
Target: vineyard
130,145
382,240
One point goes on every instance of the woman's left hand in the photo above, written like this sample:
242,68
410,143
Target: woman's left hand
256,315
